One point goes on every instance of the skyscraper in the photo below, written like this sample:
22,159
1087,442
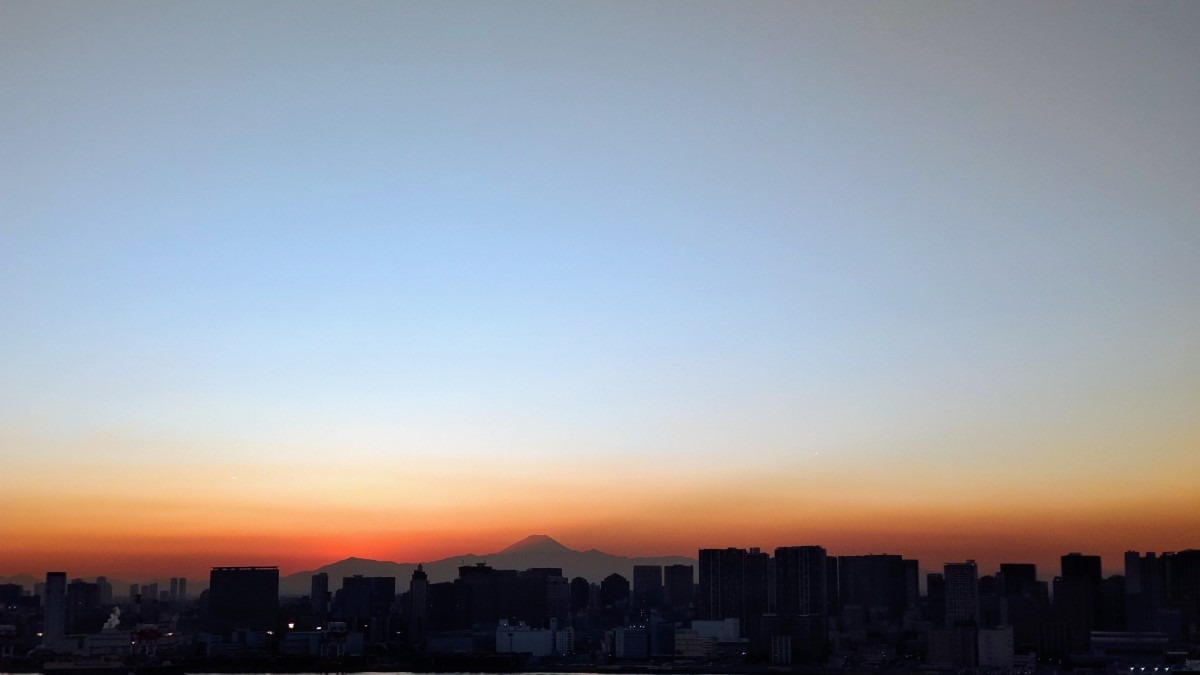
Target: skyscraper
580,594
418,606
364,598
106,590
679,585
318,597
935,597
1183,587
1018,579
873,581
800,582
759,574
614,591
962,593
912,582
1078,597
647,586
243,597
1024,602
558,598
82,606
56,609
10,595
722,593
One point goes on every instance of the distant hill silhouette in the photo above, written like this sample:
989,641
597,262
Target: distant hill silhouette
537,550
26,580
536,542
120,588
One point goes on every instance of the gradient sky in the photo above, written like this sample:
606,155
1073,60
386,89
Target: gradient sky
282,283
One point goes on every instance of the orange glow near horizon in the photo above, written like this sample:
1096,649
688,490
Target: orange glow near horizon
165,520
133,557
210,523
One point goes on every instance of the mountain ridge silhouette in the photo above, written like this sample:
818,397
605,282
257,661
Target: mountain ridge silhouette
537,550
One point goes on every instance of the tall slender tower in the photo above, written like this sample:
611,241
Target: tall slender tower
56,609
1078,597
418,609
318,597
105,589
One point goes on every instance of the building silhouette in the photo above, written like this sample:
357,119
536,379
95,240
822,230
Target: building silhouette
679,585
800,580
55,616
1183,586
10,595
759,574
935,598
476,595
243,597
1017,579
751,607
178,589
83,614
581,592
1025,601
106,590
418,606
796,630
444,613
1162,592
557,594
364,598
962,593
722,588
1078,598
875,583
318,596
647,587
614,591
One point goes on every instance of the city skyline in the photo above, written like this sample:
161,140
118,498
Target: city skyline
542,550
536,605
305,281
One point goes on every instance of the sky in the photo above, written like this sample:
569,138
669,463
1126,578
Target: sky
286,282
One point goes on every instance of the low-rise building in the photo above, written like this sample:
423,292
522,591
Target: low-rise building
631,642
996,647
691,645
539,642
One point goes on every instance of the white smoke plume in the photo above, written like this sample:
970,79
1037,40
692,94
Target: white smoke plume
114,619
